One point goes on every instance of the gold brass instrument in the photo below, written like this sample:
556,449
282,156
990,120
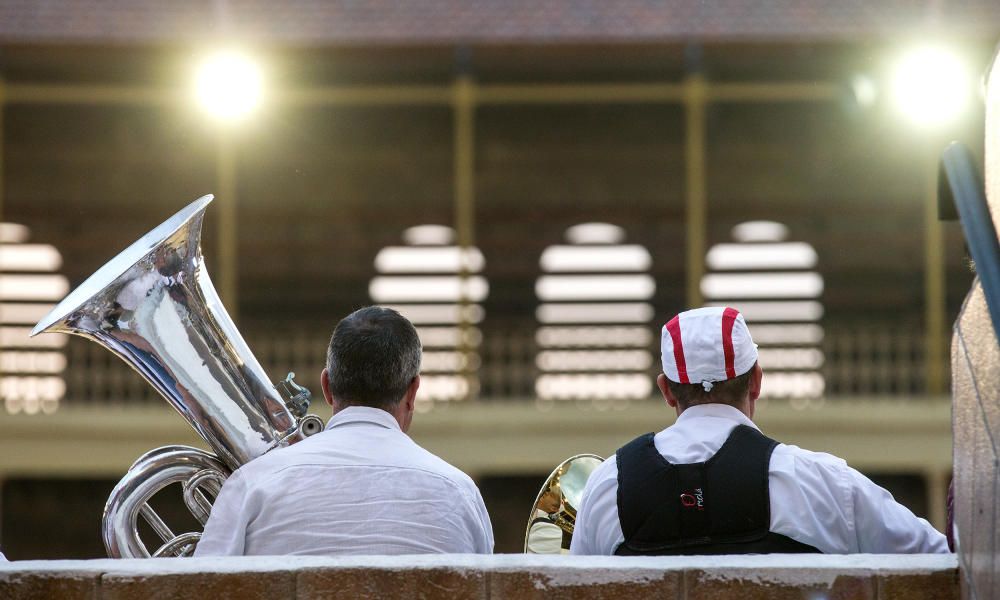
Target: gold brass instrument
553,516
155,307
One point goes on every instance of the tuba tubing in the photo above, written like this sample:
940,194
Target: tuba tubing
155,307
196,470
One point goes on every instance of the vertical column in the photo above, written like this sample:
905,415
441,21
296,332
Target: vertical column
695,210
464,147
225,181
3,106
463,109
937,498
934,276
30,286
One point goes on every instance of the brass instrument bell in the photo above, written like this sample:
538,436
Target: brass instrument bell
553,516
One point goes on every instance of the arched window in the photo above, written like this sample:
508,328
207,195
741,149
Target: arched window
772,281
594,314
31,369
437,286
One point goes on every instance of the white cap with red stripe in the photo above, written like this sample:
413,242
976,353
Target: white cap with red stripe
706,345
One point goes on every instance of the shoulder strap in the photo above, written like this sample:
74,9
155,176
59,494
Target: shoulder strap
643,478
660,504
738,477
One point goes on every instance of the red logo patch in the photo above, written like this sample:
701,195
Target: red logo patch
693,499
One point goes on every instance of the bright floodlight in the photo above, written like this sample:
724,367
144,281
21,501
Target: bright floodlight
930,86
228,85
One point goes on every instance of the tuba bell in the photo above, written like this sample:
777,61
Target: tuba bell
155,307
553,516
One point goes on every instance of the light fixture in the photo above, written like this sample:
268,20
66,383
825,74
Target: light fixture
760,231
623,257
593,360
228,85
596,335
430,288
595,287
764,255
595,233
428,259
930,86
807,284
588,312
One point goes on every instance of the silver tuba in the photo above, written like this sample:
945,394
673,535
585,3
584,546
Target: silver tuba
154,306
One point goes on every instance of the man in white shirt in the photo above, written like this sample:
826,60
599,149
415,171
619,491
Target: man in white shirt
362,486
712,483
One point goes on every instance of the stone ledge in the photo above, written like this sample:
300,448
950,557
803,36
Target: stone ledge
860,576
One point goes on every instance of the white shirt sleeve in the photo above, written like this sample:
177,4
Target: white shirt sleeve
225,532
817,499
581,542
483,540
3,558
597,530
885,526
470,529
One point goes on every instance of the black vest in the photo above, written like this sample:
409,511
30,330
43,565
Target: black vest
720,506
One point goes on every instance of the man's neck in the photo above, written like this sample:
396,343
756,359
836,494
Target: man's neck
397,413
743,407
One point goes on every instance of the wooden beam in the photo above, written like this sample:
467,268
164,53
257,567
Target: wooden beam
405,95
92,94
773,92
464,145
596,93
695,194
371,95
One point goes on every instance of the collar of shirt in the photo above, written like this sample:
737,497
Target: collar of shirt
718,411
699,432
363,414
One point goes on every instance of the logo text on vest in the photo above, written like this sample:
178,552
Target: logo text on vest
693,499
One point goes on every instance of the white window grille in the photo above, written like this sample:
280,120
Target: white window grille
438,286
772,281
594,319
31,380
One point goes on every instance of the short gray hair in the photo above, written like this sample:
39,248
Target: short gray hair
374,355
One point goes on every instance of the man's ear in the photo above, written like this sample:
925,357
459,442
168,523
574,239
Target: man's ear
661,382
411,393
324,380
404,412
755,380
756,376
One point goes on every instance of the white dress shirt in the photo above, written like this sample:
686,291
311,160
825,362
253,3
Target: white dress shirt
815,497
362,486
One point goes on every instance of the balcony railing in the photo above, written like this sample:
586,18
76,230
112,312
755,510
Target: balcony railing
866,362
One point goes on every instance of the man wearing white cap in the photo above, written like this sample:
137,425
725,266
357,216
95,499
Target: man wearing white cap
712,483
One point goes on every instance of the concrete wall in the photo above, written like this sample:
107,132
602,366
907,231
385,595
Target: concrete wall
976,414
916,577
